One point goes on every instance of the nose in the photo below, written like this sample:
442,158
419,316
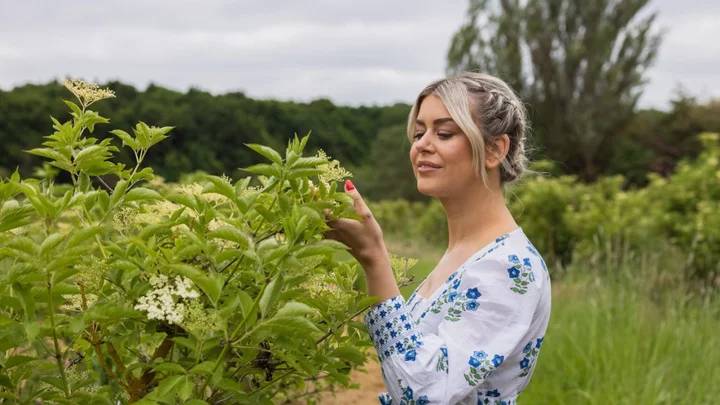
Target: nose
424,143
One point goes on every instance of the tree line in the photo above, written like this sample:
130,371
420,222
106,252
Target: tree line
580,68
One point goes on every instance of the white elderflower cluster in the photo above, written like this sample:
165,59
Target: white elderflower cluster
198,321
87,93
320,286
73,302
331,171
161,302
196,189
132,218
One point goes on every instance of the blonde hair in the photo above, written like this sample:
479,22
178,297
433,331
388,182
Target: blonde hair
484,107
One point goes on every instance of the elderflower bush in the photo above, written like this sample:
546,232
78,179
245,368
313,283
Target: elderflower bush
131,290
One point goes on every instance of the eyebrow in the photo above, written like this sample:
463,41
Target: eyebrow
437,121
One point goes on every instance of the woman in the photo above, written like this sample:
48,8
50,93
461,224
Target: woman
471,332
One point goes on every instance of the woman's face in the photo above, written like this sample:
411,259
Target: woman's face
441,154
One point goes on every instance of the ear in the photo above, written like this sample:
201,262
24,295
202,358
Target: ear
496,150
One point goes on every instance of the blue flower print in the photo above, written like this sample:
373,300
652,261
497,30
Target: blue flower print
521,274
423,400
410,355
398,305
527,362
494,393
408,393
481,367
456,284
473,293
442,362
452,296
472,305
527,347
382,314
385,399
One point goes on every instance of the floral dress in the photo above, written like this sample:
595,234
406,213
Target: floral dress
476,340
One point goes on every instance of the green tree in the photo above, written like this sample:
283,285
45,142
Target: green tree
581,65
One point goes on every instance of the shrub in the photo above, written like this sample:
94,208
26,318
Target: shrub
144,292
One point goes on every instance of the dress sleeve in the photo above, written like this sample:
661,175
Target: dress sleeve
486,313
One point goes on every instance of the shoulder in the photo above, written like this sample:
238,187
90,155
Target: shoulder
511,264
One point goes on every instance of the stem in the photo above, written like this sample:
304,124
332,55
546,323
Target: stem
272,382
58,357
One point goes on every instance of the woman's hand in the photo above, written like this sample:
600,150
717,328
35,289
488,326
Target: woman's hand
364,238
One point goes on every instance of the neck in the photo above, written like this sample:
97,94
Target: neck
476,217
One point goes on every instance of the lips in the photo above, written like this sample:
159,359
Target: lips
427,164
427,167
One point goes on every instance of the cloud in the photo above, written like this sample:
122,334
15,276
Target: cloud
352,52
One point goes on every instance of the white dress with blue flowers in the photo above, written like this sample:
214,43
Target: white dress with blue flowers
476,339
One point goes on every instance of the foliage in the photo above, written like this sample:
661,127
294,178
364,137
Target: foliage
157,293
580,65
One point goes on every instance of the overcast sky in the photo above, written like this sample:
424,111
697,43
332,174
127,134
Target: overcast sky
371,52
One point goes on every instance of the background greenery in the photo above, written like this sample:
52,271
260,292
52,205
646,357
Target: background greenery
626,209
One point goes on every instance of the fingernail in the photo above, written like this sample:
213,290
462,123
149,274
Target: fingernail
349,186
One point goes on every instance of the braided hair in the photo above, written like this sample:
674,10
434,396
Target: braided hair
484,107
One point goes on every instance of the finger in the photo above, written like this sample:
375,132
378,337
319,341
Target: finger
360,207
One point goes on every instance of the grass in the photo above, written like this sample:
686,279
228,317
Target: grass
608,342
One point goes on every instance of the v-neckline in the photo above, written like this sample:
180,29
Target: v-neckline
455,273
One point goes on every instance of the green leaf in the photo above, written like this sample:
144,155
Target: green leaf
13,215
77,236
323,247
308,162
349,353
204,368
74,107
286,326
267,152
168,368
271,294
185,389
196,402
294,308
263,169
14,361
170,384
118,193
142,194
246,302
127,140
27,300
50,243
232,234
54,381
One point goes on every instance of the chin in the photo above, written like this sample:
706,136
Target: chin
429,189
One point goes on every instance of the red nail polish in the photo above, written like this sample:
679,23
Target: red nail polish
349,186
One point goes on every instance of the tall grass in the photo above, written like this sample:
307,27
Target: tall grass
632,336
